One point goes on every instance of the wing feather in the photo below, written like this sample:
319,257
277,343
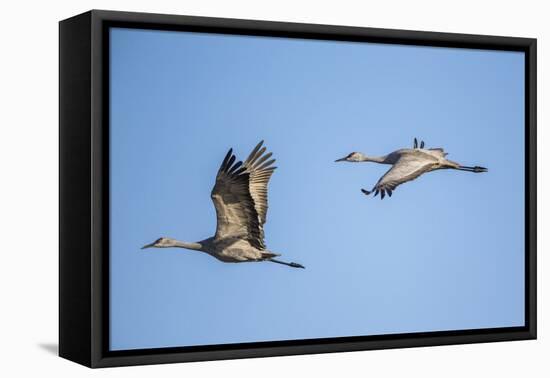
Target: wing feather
240,196
260,174
407,168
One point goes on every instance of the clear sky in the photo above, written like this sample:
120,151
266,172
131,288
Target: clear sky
444,253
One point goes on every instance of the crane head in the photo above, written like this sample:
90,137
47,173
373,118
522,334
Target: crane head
353,157
160,243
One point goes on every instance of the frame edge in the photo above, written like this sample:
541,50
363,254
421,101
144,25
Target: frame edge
97,19
74,189
531,180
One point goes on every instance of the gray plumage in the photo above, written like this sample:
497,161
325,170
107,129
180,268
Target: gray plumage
240,199
407,165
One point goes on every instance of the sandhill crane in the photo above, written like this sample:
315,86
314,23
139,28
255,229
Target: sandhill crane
408,164
240,199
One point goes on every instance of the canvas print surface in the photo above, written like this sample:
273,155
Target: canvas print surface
396,205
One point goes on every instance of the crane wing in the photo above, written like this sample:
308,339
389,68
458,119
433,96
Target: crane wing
240,196
407,168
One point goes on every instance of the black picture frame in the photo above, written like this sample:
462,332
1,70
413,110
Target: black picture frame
84,199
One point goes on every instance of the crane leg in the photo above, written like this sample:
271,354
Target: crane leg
475,169
291,264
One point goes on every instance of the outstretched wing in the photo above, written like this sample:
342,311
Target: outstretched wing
260,168
240,196
407,168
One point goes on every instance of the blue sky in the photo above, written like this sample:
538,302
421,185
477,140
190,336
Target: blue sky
444,253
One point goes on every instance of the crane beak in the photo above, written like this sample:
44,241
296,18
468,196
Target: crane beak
342,159
151,245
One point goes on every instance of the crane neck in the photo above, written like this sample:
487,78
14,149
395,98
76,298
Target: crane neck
375,159
186,245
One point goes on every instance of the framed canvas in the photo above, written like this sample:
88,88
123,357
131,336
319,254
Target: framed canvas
180,241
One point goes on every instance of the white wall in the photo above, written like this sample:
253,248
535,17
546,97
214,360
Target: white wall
28,189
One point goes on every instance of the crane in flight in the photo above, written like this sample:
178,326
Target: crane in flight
407,165
240,199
